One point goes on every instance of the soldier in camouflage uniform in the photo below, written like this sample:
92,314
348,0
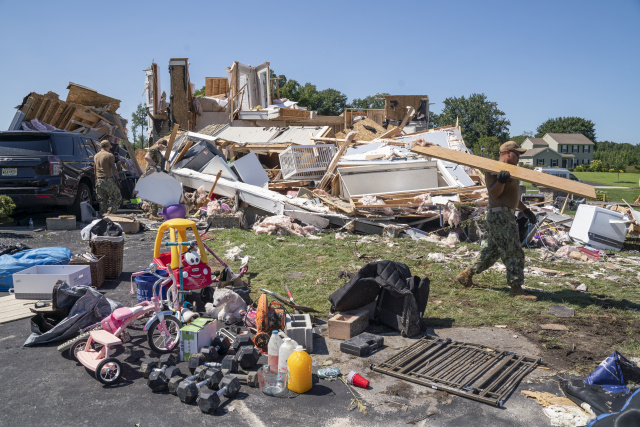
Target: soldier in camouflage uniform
106,174
503,241
155,162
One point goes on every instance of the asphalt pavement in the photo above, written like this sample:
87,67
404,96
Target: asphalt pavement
40,387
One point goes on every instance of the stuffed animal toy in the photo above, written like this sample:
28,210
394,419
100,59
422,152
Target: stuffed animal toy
227,306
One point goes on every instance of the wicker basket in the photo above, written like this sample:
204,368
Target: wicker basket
113,253
96,267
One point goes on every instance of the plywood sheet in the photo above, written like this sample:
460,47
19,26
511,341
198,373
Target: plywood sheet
489,165
14,309
91,98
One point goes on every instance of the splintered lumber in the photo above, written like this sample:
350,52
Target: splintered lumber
172,139
543,179
328,176
182,153
214,184
132,155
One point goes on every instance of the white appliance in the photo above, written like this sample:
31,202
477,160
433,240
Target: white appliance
599,227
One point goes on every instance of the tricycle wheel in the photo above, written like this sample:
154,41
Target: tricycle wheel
80,344
161,341
108,370
67,344
206,294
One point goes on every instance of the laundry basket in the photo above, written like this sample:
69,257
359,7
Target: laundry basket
96,268
306,161
112,249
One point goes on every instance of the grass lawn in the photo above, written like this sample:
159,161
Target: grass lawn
628,180
610,178
311,269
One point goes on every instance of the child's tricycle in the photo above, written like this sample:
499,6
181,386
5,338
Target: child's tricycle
94,349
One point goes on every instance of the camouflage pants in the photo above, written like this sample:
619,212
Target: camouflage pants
503,242
109,195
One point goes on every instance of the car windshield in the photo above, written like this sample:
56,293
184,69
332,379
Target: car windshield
24,145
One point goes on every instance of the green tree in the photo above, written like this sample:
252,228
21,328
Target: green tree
477,117
330,102
487,146
619,163
596,166
370,101
199,92
139,120
567,125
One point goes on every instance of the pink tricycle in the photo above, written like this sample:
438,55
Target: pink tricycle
94,348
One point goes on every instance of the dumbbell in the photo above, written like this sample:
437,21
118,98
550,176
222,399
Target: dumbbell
209,400
250,379
237,341
218,347
199,359
188,390
150,365
175,381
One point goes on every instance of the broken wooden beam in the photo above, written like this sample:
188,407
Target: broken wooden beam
517,172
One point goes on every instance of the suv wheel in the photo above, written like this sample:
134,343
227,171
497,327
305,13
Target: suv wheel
82,195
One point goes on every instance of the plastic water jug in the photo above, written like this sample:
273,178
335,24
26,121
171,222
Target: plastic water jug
287,347
273,351
299,365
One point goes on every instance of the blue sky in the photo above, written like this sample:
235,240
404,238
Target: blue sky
537,59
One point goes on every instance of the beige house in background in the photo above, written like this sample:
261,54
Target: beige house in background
563,150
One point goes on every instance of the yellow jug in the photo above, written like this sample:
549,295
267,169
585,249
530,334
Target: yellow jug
299,365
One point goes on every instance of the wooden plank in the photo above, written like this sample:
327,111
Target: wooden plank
180,93
182,153
172,139
214,184
543,179
132,155
14,309
328,176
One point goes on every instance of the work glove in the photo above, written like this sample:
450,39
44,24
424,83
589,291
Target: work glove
504,176
530,216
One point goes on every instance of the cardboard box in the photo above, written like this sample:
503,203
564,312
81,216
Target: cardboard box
37,282
129,225
197,334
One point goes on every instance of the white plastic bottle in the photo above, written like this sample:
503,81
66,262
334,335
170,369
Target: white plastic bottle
273,351
287,347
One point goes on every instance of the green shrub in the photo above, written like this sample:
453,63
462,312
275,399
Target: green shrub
579,168
6,208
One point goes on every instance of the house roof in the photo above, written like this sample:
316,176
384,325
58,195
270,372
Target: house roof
538,142
570,138
533,152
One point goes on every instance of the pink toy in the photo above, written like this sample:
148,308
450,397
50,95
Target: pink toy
94,349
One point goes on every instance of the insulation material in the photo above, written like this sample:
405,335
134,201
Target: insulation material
451,215
425,202
213,207
373,200
436,257
234,254
281,225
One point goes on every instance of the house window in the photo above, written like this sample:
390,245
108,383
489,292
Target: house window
588,161
564,148
586,149
554,163
539,162
576,148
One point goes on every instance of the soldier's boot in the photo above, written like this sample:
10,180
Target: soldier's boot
466,278
518,292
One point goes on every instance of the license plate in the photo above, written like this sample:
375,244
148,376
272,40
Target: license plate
9,171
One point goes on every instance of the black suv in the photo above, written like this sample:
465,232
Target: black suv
47,168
